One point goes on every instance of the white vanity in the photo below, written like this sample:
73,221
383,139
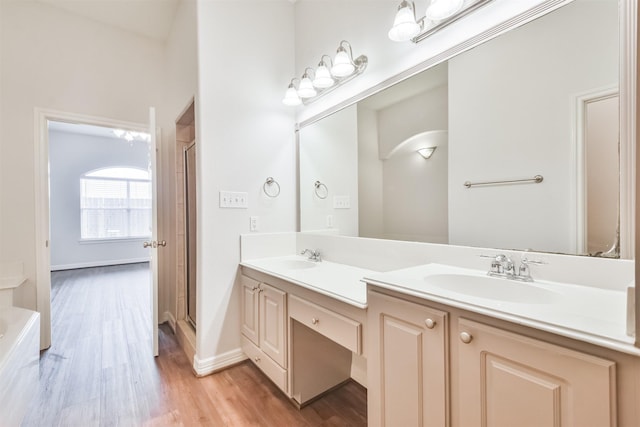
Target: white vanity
444,343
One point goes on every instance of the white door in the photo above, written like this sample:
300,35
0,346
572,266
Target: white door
154,244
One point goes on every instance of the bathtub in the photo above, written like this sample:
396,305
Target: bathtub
19,362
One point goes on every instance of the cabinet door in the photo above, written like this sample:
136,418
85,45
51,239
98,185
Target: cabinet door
273,323
250,292
509,380
407,363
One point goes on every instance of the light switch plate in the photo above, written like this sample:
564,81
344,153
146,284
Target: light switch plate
341,202
234,199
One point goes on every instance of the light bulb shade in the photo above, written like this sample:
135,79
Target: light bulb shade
291,97
323,78
342,64
427,152
443,9
306,89
405,26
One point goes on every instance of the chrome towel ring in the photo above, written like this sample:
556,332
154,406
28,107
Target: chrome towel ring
271,187
322,194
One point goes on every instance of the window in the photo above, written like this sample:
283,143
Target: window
115,203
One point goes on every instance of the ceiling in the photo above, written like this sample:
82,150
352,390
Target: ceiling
149,18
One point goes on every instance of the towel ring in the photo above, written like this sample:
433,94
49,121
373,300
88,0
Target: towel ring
318,185
268,183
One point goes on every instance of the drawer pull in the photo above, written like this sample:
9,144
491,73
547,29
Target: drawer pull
256,359
465,337
315,321
430,323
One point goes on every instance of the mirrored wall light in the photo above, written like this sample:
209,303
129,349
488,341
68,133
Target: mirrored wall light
405,27
343,65
291,95
329,75
426,152
438,14
323,78
306,89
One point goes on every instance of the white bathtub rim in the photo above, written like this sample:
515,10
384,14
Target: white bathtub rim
19,322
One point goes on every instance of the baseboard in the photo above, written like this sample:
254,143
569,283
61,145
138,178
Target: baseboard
213,364
98,264
167,317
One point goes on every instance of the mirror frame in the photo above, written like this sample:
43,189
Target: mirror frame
627,88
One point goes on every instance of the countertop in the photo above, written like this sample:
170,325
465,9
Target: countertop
339,281
590,314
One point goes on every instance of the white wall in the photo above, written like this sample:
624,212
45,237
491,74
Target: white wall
71,155
370,176
539,114
320,25
329,154
53,59
245,134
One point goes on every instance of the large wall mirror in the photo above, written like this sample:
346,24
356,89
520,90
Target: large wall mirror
541,100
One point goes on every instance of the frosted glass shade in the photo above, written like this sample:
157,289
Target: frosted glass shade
342,64
323,78
306,89
291,97
427,152
405,26
443,9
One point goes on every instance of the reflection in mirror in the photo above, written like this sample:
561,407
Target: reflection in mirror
538,100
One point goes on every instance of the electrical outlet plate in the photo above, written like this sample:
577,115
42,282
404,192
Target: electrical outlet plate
254,223
234,200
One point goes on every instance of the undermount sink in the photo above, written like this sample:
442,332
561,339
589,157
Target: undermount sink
293,264
492,288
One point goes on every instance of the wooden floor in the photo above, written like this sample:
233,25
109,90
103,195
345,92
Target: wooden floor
100,370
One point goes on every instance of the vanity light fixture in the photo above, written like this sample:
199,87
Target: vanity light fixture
291,95
329,75
130,136
427,152
439,14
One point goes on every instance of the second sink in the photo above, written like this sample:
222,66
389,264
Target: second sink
492,288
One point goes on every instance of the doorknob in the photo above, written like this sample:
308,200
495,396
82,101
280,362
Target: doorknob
154,244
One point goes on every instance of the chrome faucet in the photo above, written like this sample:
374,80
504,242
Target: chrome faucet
313,255
503,266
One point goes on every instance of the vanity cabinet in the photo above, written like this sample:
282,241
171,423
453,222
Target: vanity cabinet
495,377
506,379
408,363
264,315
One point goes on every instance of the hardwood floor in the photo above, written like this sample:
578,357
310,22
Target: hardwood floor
100,370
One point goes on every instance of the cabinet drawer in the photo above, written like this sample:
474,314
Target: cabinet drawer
341,329
271,369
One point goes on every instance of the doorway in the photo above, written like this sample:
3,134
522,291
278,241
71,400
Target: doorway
43,121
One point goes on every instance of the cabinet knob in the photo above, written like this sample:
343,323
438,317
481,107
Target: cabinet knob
465,337
255,288
430,323
315,321
256,359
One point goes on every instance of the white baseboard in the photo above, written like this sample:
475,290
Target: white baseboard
98,264
168,317
212,364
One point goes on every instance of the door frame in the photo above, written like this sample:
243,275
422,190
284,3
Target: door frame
41,183
578,178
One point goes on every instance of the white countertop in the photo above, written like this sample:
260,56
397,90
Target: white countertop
339,281
593,315
589,314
